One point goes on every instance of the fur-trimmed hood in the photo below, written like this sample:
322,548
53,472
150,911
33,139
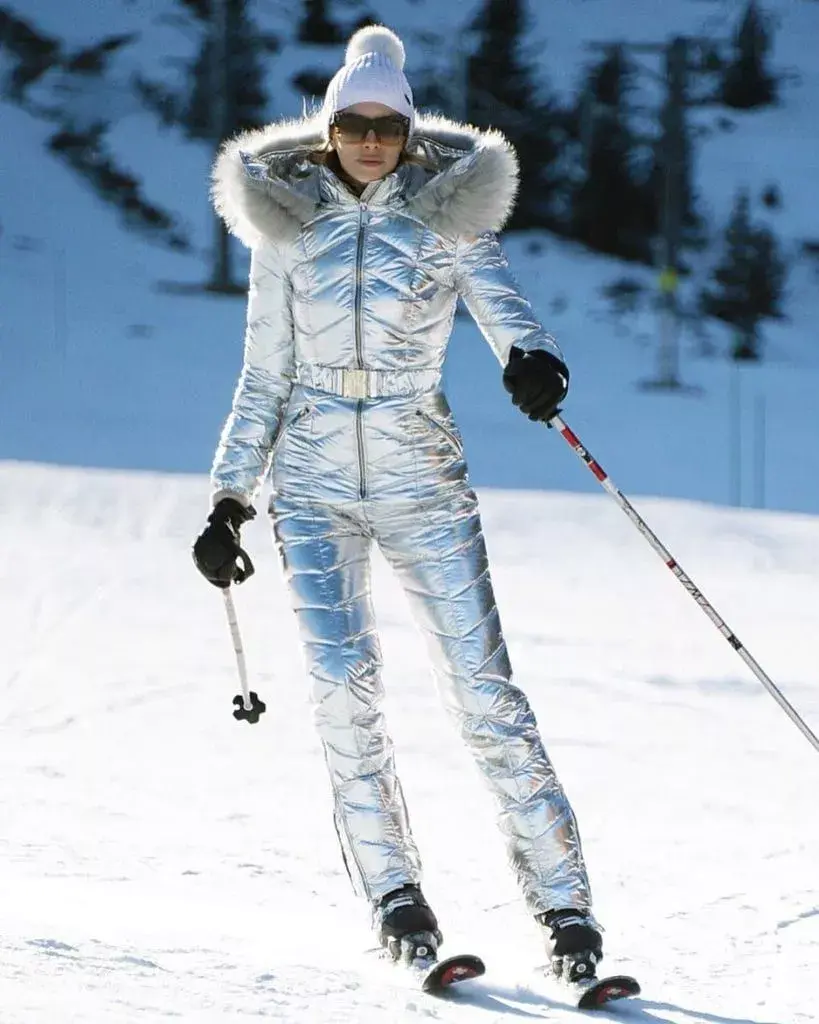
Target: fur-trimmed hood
464,182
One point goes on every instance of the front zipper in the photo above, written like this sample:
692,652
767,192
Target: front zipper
450,435
359,342
359,285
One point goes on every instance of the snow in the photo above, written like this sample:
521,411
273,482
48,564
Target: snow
161,860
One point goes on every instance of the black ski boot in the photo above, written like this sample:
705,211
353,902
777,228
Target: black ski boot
574,944
406,926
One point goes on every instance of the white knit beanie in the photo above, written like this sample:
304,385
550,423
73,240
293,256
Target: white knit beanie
372,72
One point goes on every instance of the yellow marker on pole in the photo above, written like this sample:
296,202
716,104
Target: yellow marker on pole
668,280
668,354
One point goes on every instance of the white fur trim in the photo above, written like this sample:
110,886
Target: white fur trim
478,192
254,193
258,208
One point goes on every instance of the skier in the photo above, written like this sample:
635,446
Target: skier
366,222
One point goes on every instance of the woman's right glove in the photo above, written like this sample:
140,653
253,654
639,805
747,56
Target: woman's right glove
537,381
217,552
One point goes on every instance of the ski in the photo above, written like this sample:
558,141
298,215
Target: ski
440,975
595,993
418,954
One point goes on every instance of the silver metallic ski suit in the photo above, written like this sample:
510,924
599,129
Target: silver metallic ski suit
351,306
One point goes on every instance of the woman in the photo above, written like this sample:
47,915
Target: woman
366,224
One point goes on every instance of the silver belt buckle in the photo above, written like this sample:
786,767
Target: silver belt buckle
355,383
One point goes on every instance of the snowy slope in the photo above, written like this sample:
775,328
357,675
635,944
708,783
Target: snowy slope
161,861
100,367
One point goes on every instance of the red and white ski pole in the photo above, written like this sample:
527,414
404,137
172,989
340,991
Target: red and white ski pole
583,453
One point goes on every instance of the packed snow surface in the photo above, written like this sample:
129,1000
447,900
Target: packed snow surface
160,860
163,861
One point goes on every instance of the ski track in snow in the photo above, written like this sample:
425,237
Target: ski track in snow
162,861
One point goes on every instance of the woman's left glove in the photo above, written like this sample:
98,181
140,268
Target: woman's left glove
537,381
217,552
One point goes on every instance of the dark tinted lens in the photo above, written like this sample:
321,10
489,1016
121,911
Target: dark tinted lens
390,129
355,127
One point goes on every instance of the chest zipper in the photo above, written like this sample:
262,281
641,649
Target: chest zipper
358,304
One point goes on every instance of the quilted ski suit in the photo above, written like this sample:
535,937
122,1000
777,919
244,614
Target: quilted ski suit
351,305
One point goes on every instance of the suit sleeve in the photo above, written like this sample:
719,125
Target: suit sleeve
505,317
245,449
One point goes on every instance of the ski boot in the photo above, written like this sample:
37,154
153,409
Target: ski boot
574,944
406,927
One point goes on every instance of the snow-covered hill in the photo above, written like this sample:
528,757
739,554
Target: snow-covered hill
101,367
161,861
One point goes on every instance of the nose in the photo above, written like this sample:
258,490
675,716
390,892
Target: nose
371,139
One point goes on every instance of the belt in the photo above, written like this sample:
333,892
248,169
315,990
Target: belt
364,383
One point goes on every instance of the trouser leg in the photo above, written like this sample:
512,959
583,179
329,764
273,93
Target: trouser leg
440,558
326,558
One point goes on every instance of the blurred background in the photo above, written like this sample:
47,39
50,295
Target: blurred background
667,230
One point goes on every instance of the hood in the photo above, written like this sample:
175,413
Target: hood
266,187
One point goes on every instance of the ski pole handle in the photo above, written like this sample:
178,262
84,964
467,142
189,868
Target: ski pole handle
603,478
244,569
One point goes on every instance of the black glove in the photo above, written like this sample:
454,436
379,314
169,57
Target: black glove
216,551
537,381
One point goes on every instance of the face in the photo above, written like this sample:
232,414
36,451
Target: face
371,158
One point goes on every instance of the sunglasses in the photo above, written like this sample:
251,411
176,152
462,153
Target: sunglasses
390,130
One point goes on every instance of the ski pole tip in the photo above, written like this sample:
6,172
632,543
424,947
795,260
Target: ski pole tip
249,714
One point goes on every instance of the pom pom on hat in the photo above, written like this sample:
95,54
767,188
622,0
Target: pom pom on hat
373,72
376,39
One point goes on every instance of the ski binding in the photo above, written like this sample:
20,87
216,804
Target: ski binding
419,953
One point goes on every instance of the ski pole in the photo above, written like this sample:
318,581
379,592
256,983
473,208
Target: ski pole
248,705
583,453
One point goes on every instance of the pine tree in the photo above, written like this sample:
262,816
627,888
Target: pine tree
673,170
316,26
224,80
29,54
612,208
80,138
747,83
225,93
749,280
85,152
503,92
238,89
